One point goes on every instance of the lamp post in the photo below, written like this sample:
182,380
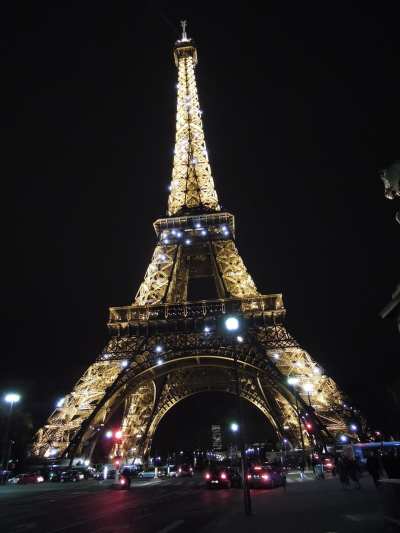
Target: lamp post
10,398
232,326
293,381
236,428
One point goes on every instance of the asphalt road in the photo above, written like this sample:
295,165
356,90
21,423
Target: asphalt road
184,505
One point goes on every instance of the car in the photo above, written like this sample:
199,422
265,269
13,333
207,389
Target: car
125,478
329,464
71,475
185,470
30,477
219,478
147,474
266,476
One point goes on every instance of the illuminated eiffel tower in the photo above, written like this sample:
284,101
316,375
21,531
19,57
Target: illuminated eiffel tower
164,348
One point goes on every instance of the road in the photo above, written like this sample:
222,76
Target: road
184,505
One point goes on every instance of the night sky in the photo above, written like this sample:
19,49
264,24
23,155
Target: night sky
301,111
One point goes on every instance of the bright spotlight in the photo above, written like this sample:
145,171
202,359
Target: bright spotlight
232,323
343,438
308,387
239,338
293,381
109,434
158,348
12,397
60,402
234,427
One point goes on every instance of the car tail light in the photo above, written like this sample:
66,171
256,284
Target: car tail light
180,470
40,479
265,476
223,475
328,464
257,468
122,481
208,476
248,476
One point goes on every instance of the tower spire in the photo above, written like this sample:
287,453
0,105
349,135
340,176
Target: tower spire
184,35
192,186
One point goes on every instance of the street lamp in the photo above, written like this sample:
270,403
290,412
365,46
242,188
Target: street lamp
233,324
10,398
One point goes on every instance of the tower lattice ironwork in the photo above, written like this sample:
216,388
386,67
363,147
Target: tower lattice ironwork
164,348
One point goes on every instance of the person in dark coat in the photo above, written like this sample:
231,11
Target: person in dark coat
373,468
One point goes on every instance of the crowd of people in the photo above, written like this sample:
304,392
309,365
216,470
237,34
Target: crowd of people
378,464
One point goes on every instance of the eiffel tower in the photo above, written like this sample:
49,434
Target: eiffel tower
164,348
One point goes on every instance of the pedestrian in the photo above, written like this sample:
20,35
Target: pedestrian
343,473
373,468
353,471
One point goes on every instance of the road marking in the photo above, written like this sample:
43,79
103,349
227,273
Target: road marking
172,526
362,517
146,483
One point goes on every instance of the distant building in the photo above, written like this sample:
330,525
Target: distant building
216,436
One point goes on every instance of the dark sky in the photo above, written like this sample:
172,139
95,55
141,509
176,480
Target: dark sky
301,111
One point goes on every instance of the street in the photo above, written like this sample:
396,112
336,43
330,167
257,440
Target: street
184,505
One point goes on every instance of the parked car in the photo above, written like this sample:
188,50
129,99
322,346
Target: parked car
147,474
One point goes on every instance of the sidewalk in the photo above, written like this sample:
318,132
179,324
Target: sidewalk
316,507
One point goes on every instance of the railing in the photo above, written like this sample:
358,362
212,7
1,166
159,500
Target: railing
199,309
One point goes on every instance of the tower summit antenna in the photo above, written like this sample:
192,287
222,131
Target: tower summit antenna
184,35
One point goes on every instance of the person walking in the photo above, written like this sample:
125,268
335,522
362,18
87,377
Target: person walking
343,473
353,471
373,468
